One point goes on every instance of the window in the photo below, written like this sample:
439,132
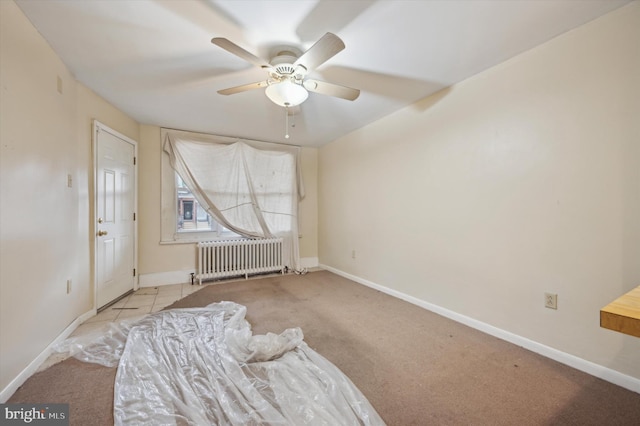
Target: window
191,217
183,220
202,227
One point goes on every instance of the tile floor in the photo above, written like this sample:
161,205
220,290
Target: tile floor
151,299
138,303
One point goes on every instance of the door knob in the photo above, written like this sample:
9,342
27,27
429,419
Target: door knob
101,233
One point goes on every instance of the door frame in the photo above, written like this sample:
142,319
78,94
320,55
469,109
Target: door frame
98,127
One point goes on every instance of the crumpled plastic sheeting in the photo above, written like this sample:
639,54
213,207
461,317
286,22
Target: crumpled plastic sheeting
203,366
103,345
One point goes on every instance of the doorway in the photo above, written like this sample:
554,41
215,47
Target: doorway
115,214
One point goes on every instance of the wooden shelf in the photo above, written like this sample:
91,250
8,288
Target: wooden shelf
623,314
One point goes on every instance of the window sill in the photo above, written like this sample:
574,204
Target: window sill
196,240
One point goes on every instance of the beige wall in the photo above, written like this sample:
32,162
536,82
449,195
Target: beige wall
163,263
308,208
152,256
44,225
522,180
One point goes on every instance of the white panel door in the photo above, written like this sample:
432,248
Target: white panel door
115,210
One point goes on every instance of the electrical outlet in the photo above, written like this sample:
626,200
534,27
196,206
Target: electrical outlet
68,286
353,254
551,300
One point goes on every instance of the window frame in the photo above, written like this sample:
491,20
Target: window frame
168,196
169,233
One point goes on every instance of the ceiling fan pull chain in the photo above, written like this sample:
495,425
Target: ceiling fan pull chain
286,122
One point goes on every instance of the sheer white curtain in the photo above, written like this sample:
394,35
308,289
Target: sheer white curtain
251,187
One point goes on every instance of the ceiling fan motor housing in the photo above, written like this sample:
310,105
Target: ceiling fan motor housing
283,64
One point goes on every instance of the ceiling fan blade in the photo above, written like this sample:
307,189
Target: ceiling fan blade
231,47
323,17
331,89
324,49
243,88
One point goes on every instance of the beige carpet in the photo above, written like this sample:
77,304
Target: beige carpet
415,367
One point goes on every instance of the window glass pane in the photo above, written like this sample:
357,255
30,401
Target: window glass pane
191,216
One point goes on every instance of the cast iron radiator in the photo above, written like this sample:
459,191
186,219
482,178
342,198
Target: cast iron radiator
228,258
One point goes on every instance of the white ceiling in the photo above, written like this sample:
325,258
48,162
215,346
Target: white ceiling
153,59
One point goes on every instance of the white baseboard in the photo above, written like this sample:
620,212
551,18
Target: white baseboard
596,370
36,363
166,278
181,277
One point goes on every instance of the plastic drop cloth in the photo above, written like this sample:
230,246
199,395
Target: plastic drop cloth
204,366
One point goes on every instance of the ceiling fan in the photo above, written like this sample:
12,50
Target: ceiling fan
287,84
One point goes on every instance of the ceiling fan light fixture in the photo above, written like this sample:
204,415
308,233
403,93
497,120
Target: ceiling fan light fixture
286,93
